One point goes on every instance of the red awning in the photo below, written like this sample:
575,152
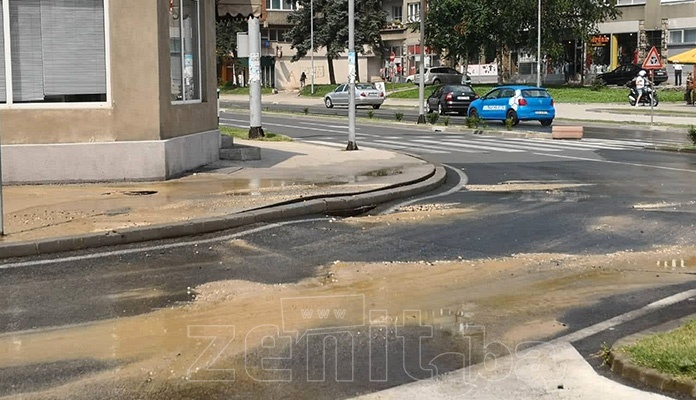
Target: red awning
239,8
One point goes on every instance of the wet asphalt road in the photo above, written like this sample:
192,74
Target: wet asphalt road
83,290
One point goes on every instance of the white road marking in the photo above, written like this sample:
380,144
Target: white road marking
449,142
617,162
157,247
463,180
623,318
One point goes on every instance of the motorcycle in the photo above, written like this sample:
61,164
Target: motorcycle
649,94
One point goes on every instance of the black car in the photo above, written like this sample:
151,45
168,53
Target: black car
451,98
623,74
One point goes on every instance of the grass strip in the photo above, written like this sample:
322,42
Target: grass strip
240,133
671,352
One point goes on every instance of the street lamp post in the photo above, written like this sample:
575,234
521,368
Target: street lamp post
421,68
311,11
539,45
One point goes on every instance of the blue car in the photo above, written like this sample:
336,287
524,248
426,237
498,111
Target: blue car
516,102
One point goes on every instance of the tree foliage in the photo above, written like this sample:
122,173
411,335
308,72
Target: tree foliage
460,28
331,28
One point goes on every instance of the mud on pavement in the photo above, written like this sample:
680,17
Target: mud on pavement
350,329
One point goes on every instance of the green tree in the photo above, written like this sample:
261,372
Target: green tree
226,38
460,28
331,28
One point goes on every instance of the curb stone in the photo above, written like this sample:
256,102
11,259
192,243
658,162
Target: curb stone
621,364
326,205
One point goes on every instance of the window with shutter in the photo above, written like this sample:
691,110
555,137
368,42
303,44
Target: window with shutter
57,51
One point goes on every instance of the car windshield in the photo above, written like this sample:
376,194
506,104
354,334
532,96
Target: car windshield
364,86
535,93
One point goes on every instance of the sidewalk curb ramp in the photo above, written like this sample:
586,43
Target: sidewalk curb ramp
621,364
326,204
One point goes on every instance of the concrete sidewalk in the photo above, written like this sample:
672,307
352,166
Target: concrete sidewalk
43,218
679,113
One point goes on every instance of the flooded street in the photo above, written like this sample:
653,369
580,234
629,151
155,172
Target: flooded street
345,329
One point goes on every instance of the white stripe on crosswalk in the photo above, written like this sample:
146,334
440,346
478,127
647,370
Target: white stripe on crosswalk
470,146
412,146
401,146
568,144
505,144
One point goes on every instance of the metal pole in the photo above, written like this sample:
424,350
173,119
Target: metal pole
421,69
2,223
539,45
311,11
351,76
255,129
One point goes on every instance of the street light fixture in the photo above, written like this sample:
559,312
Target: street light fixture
539,45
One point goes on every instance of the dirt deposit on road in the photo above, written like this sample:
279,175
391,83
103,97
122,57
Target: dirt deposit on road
160,355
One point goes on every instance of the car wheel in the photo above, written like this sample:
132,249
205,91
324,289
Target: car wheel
546,122
473,113
328,103
436,82
511,114
376,106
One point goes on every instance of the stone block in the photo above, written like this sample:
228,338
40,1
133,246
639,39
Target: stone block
567,132
240,153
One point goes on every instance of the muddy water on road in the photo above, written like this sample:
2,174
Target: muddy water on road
175,353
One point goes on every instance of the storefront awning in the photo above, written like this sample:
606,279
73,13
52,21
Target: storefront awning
687,57
239,8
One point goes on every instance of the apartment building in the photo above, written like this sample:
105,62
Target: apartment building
669,25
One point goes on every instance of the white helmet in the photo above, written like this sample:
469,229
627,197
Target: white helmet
641,73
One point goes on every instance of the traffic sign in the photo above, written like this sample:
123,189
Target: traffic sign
652,61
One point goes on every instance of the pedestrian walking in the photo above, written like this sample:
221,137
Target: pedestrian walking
303,78
677,74
689,89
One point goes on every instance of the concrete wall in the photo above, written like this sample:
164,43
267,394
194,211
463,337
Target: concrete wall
108,161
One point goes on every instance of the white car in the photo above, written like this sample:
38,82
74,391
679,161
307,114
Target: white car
366,94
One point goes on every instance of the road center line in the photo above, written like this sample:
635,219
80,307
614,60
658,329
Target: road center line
616,162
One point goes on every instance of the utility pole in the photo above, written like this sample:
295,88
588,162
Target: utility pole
255,129
539,45
421,69
2,222
311,11
351,77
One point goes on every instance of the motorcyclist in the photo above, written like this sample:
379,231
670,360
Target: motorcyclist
640,85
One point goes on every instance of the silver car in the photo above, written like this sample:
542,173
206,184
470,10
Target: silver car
366,94
443,75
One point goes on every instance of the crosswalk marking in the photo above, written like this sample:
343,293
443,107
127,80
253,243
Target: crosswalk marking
471,146
413,145
405,148
449,143
525,146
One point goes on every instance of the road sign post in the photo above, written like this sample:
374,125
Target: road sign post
652,62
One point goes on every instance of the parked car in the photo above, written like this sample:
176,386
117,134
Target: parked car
451,98
366,94
623,74
441,75
516,102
